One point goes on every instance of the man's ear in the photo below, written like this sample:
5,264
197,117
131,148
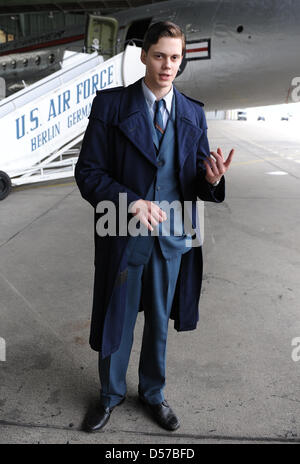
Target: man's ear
143,56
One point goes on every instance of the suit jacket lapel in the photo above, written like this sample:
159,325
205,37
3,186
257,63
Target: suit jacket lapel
135,122
168,132
153,131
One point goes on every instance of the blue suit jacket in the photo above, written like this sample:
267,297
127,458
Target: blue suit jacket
118,155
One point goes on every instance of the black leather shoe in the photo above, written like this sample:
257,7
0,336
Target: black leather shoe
163,414
97,417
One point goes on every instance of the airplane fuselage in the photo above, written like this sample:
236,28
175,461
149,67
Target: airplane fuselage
239,53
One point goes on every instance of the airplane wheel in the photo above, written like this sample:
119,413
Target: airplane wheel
5,185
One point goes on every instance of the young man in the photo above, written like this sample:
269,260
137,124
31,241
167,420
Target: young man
147,142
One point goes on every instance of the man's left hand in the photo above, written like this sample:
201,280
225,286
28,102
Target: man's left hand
215,169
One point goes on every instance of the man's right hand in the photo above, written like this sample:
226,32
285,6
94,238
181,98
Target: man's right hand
148,213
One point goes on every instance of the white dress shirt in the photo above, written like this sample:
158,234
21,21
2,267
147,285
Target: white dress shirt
151,98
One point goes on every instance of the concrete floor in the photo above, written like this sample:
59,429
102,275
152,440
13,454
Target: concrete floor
233,380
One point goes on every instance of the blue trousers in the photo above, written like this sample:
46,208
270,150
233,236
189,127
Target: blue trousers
154,282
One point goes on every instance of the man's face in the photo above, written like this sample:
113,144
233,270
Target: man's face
162,62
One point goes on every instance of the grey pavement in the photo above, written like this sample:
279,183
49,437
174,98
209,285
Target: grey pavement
233,380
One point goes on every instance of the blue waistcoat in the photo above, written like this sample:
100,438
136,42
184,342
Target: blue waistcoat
165,187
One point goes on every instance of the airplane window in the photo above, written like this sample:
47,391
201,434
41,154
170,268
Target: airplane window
240,29
51,58
25,62
37,60
2,36
13,64
4,66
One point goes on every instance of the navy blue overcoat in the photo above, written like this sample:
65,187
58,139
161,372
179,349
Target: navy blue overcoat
118,156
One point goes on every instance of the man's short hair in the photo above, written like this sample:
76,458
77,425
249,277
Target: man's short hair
162,29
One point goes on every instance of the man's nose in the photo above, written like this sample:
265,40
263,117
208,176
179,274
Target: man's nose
167,63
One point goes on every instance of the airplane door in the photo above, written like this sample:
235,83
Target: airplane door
101,35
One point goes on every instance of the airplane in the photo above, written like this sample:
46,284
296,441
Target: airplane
239,53
35,34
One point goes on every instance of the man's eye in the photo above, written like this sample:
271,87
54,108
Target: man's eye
158,56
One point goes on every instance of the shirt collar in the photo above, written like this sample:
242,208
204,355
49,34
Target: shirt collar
151,98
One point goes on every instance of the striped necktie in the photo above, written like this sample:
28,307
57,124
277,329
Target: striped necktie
158,120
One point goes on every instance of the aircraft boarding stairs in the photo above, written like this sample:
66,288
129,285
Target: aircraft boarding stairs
42,125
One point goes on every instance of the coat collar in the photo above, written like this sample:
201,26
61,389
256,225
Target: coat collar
134,123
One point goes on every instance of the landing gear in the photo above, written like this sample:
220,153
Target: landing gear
5,185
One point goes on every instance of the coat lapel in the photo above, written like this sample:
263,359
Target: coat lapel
188,133
135,122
